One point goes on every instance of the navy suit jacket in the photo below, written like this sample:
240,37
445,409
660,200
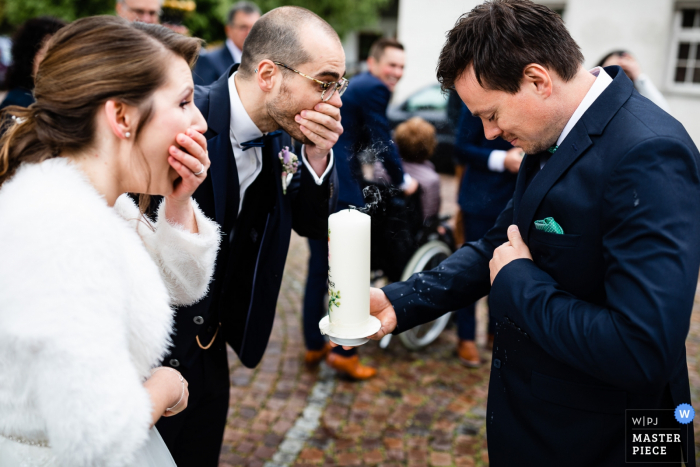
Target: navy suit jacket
211,66
596,323
365,127
243,293
482,192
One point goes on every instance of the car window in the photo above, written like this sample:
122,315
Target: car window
431,98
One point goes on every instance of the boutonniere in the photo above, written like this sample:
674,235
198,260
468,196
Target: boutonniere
290,163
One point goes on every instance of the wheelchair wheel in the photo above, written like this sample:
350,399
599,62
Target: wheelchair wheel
429,256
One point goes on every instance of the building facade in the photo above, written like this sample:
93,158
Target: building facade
663,35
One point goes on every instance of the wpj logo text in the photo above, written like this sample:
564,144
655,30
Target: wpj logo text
655,436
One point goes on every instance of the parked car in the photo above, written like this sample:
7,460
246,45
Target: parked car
430,103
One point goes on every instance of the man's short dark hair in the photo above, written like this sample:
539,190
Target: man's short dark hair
246,7
276,36
380,45
500,38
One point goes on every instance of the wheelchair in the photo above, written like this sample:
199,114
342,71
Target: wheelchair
403,243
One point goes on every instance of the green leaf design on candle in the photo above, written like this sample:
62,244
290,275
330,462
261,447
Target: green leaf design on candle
333,299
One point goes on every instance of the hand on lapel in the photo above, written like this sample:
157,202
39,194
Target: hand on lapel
513,249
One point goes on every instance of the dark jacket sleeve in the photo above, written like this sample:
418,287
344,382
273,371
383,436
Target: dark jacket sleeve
469,141
651,226
312,203
462,278
377,123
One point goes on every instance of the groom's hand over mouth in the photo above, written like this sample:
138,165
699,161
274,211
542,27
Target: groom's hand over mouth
322,126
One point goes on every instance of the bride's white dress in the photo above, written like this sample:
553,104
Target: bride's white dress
154,453
85,314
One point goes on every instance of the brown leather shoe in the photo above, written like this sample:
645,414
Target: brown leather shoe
350,366
314,357
468,354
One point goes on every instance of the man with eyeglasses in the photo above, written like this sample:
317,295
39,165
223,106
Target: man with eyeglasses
146,11
241,18
290,78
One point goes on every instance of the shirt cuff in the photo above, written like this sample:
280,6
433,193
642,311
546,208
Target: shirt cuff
317,179
497,160
407,179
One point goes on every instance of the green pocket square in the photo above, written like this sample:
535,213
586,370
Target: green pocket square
549,225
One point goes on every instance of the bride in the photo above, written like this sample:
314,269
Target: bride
86,281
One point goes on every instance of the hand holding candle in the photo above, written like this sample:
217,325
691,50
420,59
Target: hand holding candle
348,321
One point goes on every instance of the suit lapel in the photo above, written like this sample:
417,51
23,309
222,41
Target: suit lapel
223,170
526,168
575,144
221,156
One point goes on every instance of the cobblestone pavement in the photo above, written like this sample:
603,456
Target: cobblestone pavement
422,409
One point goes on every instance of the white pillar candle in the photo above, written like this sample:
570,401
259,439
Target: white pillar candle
349,270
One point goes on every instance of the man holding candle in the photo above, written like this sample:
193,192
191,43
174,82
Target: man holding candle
592,267
290,78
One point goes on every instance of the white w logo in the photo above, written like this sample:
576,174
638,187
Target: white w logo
684,413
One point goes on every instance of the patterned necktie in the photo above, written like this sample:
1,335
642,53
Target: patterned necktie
260,142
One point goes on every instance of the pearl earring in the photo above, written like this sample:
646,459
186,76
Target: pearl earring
127,134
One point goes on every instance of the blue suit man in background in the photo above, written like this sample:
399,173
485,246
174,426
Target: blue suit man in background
240,19
366,128
592,268
486,187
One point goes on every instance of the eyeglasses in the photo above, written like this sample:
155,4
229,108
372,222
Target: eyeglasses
328,87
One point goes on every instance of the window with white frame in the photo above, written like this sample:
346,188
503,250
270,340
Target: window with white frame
685,53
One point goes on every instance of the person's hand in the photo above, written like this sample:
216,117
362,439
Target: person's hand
381,308
191,162
628,64
411,187
166,389
513,249
322,126
514,157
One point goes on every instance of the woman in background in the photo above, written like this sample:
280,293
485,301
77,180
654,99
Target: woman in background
416,142
642,83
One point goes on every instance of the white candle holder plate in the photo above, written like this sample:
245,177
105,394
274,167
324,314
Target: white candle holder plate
352,337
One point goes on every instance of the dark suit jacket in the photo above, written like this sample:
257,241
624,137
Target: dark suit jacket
365,127
211,66
482,192
18,96
243,294
596,322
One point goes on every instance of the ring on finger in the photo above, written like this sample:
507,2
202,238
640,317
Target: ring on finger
201,171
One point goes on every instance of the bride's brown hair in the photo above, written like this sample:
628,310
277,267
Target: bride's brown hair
88,62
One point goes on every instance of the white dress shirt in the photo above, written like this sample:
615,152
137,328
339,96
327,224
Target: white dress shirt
601,82
249,163
236,53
